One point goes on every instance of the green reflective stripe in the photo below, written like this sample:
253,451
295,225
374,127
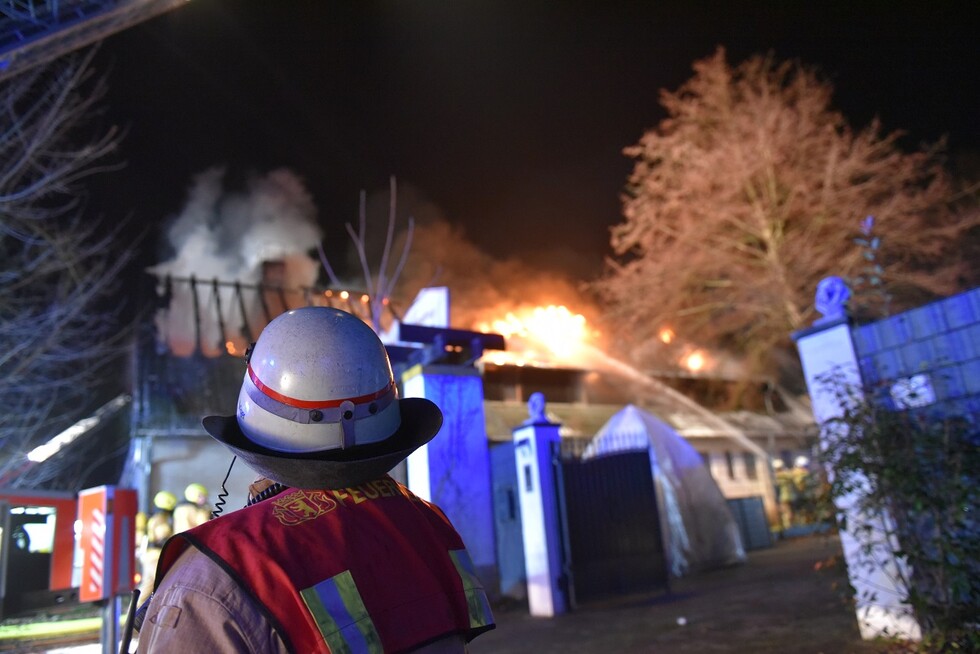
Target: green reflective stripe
476,600
327,626
341,616
355,606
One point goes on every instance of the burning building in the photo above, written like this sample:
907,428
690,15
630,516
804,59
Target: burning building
190,365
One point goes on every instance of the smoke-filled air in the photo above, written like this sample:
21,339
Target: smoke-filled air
226,234
229,235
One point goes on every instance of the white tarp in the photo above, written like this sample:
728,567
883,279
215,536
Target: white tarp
697,527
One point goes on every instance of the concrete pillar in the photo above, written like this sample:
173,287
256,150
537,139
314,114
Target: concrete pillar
829,349
543,558
453,469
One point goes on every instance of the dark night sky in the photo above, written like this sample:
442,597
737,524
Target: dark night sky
509,116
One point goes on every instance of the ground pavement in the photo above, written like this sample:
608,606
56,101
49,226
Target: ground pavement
786,599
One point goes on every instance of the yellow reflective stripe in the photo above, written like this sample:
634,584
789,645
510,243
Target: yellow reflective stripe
341,616
476,600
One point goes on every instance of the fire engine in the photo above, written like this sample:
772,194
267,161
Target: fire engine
60,549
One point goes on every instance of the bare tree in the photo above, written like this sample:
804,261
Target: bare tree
382,281
58,330
751,191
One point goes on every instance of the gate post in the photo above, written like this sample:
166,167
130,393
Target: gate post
827,348
533,442
453,469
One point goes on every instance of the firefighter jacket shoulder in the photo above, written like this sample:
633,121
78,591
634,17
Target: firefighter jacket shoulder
366,569
198,607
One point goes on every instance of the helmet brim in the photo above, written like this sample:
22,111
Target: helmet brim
421,420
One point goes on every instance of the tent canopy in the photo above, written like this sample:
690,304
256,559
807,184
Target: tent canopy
697,527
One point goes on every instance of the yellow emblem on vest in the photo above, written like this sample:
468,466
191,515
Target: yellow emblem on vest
301,505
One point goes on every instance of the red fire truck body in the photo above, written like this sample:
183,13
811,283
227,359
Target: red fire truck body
58,548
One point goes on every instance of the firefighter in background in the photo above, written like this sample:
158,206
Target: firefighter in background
160,525
331,554
800,475
140,529
802,493
194,510
786,492
813,499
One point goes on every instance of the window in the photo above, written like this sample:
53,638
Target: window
730,463
750,466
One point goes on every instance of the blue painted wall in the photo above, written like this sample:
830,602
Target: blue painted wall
938,342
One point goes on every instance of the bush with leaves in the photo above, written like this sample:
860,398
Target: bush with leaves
923,471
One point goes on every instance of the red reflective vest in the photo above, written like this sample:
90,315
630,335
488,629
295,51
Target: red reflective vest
366,569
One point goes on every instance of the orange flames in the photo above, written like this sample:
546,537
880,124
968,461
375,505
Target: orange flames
695,361
554,334
539,335
691,358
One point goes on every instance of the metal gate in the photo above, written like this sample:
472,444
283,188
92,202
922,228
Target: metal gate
507,522
611,526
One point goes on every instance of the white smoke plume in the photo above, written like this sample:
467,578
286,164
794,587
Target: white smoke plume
226,235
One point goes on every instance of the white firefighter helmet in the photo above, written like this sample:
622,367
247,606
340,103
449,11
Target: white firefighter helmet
319,407
317,379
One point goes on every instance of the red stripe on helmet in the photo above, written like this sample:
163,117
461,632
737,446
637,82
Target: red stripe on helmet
317,404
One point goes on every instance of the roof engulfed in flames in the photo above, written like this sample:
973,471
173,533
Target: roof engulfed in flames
539,335
556,335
